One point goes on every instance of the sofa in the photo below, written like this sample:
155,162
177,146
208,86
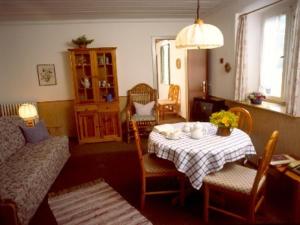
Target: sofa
27,170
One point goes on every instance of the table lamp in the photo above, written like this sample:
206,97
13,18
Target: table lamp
28,113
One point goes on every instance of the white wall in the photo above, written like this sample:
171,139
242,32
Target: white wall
24,45
221,84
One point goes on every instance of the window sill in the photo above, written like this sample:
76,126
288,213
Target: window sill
270,106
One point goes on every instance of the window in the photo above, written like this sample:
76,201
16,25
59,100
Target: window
267,41
165,64
272,56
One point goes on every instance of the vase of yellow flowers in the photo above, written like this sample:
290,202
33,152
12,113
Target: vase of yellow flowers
225,121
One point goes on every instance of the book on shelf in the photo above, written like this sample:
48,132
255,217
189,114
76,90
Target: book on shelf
281,159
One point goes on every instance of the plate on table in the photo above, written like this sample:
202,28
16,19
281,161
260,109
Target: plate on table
173,138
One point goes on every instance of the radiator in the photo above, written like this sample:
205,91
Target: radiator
12,109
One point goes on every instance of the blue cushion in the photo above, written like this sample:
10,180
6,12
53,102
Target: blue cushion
35,134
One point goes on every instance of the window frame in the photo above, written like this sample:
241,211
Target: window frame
277,11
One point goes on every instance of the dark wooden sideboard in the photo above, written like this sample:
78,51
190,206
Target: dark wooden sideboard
203,107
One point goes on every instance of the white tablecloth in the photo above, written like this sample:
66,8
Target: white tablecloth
199,157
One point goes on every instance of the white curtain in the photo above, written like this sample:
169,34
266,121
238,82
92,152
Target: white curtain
240,93
293,66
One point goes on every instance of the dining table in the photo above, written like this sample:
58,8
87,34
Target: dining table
198,157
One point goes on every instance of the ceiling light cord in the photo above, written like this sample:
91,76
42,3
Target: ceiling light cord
198,20
198,10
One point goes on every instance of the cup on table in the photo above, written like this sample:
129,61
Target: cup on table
186,128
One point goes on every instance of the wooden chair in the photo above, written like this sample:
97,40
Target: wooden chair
245,122
142,94
170,105
243,183
154,167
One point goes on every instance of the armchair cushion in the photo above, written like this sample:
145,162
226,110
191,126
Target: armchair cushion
144,110
143,118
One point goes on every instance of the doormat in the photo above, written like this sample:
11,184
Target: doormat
91,203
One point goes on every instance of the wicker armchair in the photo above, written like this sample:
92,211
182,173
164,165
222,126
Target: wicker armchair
142,94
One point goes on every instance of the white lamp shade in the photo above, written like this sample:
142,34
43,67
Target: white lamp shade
27,111
199,35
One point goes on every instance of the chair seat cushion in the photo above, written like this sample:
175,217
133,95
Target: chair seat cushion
154,164
143,118
234,177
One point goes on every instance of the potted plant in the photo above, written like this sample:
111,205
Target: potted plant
256,97
225,121
82,41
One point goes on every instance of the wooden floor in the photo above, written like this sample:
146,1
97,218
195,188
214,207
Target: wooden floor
117,163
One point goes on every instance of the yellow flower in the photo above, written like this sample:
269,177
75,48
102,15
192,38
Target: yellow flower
225,121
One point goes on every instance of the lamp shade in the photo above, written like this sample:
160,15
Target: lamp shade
27,111
199,35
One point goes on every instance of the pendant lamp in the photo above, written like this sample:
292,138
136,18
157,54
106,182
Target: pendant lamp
199,35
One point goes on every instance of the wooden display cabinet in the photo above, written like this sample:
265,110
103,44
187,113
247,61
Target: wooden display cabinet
96,94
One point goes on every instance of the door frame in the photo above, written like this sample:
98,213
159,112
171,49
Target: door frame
154,40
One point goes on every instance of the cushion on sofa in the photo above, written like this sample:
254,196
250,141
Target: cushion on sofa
11,137
29,173
35,134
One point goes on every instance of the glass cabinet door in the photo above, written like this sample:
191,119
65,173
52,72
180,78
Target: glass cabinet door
84,81
105,76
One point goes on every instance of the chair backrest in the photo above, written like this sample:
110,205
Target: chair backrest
138,144
141,93
264,162
245,122
174,92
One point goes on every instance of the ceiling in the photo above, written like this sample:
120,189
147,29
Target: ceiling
35,10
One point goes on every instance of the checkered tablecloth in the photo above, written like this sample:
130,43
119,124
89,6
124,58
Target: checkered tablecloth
199,157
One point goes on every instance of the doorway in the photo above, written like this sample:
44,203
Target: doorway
169,66
186,68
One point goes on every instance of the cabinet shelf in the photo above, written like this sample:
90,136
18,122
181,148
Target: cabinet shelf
83,88
82,65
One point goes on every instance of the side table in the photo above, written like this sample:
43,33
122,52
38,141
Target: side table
203,107
295,178
283,172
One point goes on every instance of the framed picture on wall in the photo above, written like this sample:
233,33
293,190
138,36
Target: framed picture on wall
46,74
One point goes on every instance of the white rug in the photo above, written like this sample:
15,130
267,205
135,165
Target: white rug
93,203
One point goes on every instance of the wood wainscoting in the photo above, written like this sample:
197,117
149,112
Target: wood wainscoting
265,121
58,116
